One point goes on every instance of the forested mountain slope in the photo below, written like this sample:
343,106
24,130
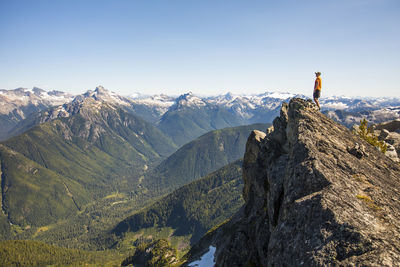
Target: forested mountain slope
34,253
194,208
56,167
200,157
190,117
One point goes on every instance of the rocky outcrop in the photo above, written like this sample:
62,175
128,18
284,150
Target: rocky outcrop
316,195
156,253
390,133
391,126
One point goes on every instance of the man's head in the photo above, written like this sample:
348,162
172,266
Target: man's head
318,74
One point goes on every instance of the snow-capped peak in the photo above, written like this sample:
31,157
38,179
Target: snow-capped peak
101,90
277,95
155,100
137,95
102,94
230,96
22,97
189,100
38,91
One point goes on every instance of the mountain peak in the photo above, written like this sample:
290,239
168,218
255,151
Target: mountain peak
101,90
316,194
229,96
185,96
98,93
103,95
189,100
38,91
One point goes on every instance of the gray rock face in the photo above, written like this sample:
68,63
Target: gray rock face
390,133
316,195
391,126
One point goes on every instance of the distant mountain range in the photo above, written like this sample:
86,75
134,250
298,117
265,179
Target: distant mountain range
185,117
18,104
375,116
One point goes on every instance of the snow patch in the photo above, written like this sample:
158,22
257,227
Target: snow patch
156,100
137,95
190,100
279,95
337,105
206,260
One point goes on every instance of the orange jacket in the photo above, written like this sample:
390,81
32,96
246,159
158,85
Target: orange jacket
318,84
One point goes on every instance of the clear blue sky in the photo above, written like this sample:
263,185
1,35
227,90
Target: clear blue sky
203,46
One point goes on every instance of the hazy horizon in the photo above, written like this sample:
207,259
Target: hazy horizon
221,93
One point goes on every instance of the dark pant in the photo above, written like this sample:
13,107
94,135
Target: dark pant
317,93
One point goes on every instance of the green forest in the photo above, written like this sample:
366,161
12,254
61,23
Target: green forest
193,209
78,192
34,253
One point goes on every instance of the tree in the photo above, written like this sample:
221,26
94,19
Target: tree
367,133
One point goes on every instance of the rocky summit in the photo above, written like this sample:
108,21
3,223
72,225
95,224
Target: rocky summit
315,195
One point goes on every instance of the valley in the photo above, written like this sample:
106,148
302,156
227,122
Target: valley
103,172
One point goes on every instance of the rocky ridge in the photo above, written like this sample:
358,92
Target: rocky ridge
316,195
93,110
20,103
20,100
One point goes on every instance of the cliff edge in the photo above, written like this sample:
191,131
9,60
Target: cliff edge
316,195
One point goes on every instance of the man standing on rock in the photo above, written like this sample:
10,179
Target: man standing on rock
317,88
